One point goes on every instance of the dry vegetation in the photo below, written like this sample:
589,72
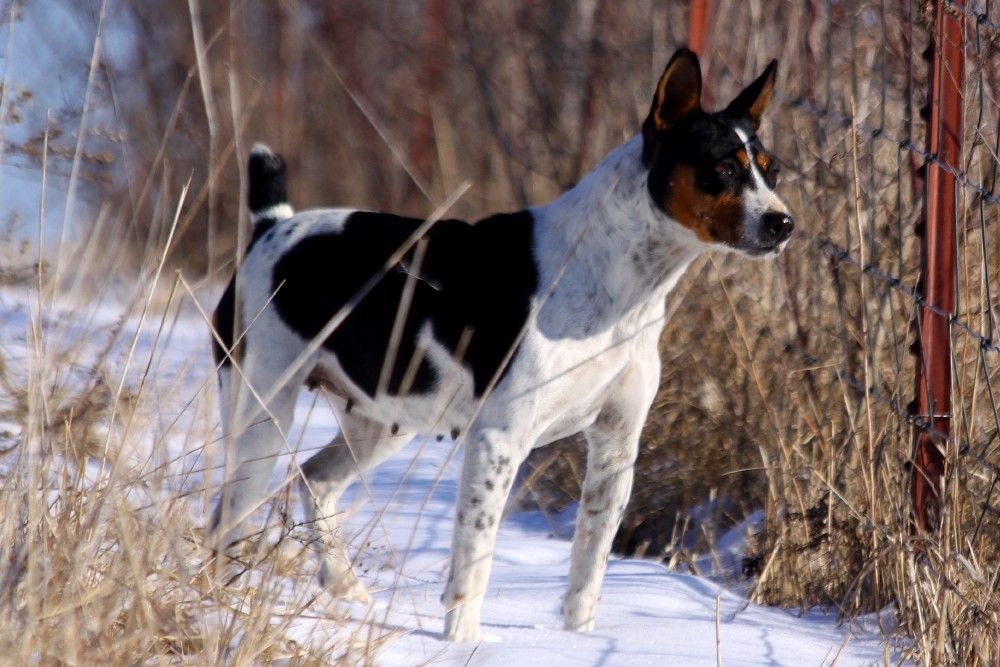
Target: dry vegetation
101,550
392,105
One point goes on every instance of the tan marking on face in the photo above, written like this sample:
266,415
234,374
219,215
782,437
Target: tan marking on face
713,219
763,161
744,159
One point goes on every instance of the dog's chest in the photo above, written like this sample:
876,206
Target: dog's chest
560,386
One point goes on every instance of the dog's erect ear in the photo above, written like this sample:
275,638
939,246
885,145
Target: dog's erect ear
753,101
677,94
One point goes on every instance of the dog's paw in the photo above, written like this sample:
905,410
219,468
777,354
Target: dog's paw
355,592
577,616
342,583
578,626
461,627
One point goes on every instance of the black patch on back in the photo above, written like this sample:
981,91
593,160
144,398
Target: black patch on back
479,277
223,320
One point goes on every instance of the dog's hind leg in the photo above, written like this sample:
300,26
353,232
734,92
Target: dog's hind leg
256,431
361,445
613,442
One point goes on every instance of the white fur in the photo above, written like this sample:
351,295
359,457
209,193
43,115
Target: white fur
588,361
277,212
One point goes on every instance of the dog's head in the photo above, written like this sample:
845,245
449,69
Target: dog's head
708,171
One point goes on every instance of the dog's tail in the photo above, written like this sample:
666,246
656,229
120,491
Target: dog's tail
267,194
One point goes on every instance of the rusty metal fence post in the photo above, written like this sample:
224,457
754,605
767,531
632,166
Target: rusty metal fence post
944,142
698,27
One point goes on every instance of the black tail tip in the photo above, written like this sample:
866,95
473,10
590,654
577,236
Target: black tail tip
268,178
264,161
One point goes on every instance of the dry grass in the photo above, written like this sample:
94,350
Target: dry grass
102,557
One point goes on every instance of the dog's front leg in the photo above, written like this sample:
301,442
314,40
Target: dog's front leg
487,475
613,442
610,457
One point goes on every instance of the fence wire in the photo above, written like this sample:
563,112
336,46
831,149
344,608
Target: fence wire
874,247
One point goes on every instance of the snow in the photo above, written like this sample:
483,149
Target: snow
398,520
647,615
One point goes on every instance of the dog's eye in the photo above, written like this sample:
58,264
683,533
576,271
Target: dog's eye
728,168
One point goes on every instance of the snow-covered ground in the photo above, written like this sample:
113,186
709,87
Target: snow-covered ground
399,519
647,615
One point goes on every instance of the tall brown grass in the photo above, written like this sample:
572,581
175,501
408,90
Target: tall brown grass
108,460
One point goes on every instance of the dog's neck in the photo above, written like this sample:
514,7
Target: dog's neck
606,232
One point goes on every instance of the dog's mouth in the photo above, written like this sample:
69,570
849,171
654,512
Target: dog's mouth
762,251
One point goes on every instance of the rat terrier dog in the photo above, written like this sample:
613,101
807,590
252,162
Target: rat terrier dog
508,333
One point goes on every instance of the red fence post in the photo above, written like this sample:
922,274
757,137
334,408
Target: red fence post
698,28
944,141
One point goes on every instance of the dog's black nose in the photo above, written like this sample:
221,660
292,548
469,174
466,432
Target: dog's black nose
777,227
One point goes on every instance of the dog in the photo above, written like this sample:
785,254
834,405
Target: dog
507,334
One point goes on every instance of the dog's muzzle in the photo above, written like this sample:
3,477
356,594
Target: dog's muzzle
775,229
